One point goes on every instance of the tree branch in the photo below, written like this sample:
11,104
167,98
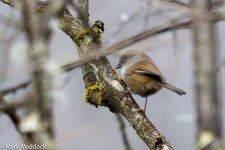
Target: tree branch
206,56
10,110
177,3
115,97
112,49
123,132
8,2
40,110
100,71
166,27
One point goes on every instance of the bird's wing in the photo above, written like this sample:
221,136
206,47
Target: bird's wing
149,69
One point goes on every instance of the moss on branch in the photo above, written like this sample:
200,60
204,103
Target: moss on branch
41,9
113,95
95,95
81,35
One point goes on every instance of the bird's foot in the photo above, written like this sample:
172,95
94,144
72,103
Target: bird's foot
141,111
127,91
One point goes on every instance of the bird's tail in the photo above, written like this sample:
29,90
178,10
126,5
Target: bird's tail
173,88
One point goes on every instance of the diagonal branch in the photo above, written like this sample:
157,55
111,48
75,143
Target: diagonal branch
217,15
8,2
39,112
176,3
127,42
122,124
165,27
99,73
10,110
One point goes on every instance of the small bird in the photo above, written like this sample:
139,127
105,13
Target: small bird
142,76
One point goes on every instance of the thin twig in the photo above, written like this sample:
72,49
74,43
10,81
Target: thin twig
112,49
176,3
8,2
10,110
122,124
9,106
130,41
115,97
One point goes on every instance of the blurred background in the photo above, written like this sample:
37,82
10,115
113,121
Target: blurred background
80,126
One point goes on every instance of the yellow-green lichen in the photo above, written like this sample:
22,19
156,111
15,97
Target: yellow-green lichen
94,94
41,9
96,30
81,35
123,103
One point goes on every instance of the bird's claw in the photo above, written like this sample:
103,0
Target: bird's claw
127,91
141,110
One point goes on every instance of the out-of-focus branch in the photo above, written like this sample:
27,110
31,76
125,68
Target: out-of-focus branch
122,124
4,106
109,92
82,5
15,88
130,41
40,110
8,2
217,3
208,101
181,4
14,118
176,3
116,29
166,27
219,15
112,49
99,71
10,110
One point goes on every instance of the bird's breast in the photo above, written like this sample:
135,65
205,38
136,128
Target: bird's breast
142,84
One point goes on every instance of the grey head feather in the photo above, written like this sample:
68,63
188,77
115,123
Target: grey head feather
132,56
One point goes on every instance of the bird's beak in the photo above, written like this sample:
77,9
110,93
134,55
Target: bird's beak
118,66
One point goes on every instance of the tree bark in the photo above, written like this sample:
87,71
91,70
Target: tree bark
100,71
208,102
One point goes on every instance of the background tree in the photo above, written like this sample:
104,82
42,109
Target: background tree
103,87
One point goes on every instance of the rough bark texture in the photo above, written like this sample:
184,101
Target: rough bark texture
115,97
99,77
39,112
36,123
208,101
